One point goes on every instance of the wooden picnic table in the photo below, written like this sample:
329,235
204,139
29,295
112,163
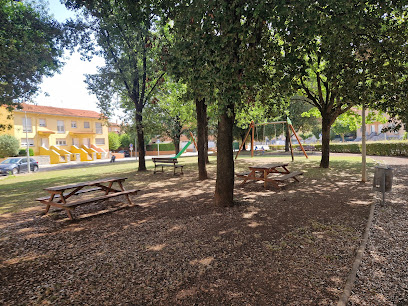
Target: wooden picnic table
264,171
60,196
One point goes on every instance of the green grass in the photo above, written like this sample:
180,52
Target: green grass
19,192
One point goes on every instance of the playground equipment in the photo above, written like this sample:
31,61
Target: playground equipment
252,128
186,146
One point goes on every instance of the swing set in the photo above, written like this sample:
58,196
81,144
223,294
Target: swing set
290,128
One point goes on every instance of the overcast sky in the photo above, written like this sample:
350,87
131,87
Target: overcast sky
68,89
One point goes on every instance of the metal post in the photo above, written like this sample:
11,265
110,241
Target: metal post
383,189
363,146
136,150
28,145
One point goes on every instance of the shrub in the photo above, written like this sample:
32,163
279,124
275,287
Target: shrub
23,152
9,146
163,147
114,142
389,148
124,140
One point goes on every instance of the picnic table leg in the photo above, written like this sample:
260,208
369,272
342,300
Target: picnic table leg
265,177
47,208
252,174
123,189
68,210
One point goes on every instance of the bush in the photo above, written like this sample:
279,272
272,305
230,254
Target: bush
9,146
124,141
389,148
163,147
114,142
23,152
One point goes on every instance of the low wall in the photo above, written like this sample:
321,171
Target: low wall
118,155
154,153
42,159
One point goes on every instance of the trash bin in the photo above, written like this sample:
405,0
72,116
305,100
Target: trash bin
382,182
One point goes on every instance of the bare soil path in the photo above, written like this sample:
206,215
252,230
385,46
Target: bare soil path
289,247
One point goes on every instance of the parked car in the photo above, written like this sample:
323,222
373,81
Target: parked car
125,152
14,165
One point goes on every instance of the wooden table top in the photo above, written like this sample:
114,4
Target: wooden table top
83,184
270,166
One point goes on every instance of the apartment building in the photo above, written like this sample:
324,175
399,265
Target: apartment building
47,127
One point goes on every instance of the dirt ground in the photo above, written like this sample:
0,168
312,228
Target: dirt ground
295,246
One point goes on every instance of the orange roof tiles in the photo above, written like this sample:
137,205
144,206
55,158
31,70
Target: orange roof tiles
58,111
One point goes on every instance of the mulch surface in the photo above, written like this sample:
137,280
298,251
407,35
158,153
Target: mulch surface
295,246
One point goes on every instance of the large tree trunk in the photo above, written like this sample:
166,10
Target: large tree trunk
324,162
140,140
177,135
176,142
224,187
207,161
287,136
201,140
243,134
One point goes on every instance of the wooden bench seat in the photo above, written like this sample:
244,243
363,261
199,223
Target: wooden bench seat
288,176
243,174
76,193
103,197
166,162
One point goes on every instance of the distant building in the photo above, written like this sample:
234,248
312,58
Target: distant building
58,131
114,127
374,131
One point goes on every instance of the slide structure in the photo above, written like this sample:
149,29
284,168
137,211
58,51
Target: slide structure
182,150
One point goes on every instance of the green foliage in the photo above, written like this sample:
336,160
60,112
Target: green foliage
373,148
23,152
30,48
9,146
162,147
114,141
125,140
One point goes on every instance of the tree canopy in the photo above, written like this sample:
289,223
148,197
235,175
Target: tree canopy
31,46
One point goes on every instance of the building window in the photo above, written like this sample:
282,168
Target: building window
27,125
42,122
23,142
60,126
99,141
61,142
98,128
73,124
86,125
373,128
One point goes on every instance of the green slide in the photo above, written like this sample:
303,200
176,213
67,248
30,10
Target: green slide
182,150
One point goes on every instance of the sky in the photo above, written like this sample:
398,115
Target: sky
68,89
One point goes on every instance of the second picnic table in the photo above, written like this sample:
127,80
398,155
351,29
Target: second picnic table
60,196
265,170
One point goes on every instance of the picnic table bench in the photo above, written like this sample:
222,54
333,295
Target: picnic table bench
261,173
167,162
60,196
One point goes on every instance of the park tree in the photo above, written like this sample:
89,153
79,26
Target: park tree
31,46
9,146
114,141
176,109
125,140
224,41
127,38
338,54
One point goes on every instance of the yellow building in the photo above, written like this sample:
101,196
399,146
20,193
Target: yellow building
71,132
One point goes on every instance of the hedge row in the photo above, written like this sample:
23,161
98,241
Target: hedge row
163,147
23,152
388,148
373,148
